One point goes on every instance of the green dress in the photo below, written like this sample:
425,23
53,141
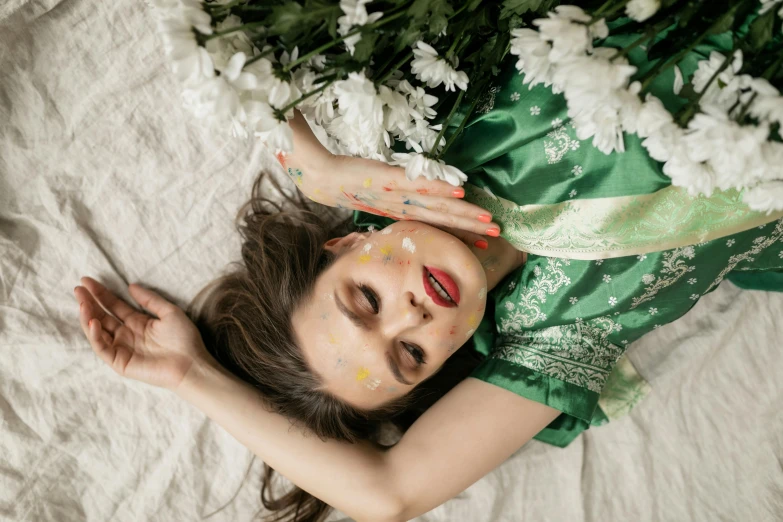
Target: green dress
555,329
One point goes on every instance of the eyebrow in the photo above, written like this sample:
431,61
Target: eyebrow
355,319
396,370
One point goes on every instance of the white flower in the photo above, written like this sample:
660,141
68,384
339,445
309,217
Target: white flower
514,96
766,5
767,104
512,285
624,341
612,301
765,197
780,254
276,133
679,82
607,278
695,177
355,14
641,257
557,122
599,262
577,170
692,281
421,102
648,278
694,297
653,311
190,62
533,57
724,90
569,38
572,193
573,300
730,242
417,165
434,70
359,126
653,117
535,110
397,113
641,10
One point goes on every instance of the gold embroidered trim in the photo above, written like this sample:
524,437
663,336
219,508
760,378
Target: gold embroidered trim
605,228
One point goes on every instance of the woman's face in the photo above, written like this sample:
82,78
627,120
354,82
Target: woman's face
390,310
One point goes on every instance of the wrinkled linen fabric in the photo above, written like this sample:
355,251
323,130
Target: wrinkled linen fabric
102,172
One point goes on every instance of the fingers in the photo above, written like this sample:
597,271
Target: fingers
109,323
436,188
434,217
113,304
152,301
99,339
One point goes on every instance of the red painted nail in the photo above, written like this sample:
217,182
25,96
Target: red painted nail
484,218
458,193
481,244
494,232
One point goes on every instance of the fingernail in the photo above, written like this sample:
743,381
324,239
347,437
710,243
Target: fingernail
458,193
494,232
484,218
481,244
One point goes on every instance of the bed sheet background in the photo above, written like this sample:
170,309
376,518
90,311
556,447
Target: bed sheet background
103,173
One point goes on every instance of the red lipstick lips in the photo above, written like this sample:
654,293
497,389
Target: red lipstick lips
446,282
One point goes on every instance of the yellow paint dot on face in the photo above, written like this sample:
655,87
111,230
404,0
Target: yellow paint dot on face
472,321
317,191
367,183
364,258
386,250
362,374
333,339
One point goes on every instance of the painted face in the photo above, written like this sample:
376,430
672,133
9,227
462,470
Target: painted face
390,310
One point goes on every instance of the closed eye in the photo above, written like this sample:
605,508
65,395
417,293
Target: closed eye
371,298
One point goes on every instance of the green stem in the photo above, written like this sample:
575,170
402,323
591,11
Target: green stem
651,32
259,56
393,68
599,13
453,45
464,122
319,50
445,123
458,11
328,79
663,65
746,107
242,27
685,116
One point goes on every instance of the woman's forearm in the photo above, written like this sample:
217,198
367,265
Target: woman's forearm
349,477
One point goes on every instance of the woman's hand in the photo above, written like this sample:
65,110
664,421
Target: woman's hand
375,187
158,351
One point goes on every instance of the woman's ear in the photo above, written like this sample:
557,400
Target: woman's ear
339,245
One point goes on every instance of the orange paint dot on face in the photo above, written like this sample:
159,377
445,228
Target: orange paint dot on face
362,374
422,191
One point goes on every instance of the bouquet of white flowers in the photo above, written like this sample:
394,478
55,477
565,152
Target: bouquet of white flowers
386,75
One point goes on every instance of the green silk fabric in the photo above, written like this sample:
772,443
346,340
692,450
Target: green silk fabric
555,328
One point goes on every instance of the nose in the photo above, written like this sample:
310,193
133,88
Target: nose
410,313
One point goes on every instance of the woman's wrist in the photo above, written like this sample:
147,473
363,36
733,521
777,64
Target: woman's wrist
204,369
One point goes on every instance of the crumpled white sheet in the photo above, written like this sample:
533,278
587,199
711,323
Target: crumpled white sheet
103,172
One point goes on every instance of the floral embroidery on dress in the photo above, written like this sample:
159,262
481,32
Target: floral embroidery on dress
674,267
612,301
579,353
514,96
528,310
535,110
577,170
573,300
607,278
759,244
653,311
559,143
487,100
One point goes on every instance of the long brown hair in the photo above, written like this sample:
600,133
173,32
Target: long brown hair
245,320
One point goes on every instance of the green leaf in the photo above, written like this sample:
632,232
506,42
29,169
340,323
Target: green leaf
688,92
760,33
406,39
519,7
365,47
285,17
